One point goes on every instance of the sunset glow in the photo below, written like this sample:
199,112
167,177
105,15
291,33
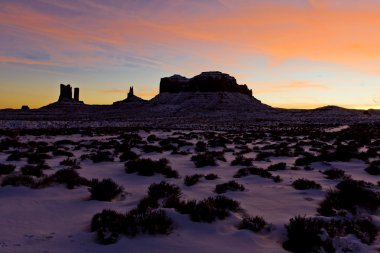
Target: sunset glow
292,54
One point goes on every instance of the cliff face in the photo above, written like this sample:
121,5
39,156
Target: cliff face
205,82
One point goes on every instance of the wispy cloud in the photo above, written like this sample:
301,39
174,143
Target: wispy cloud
270,87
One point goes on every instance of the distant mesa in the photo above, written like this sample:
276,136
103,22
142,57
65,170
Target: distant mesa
131,98
212,81
66,94
25,108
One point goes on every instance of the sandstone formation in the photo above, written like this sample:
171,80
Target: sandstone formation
213,81
66,93
131,98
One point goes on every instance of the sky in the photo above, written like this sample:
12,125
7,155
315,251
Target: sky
291,53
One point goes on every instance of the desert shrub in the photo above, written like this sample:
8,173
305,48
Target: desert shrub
306,160
37,158
104,190
30,170
335,174
167,144
148,203
148,167
218,141
351,194
264,156
304,235
108,226
70,178
152,138
201,146
316,235
252,171
44,181
61,152
73,163
229,186
151,148
18,180
99,156
151,222
304,184
6,168
203,160
255,224
276,179
210,209
242,161
277,166
8,143
43,149
373,168
211,176
192,180
163,190
128,155
207,159
17,156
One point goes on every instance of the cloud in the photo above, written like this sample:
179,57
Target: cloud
317,30
291,86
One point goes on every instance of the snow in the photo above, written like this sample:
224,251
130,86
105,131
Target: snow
56,219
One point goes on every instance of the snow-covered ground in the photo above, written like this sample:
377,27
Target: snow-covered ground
56,219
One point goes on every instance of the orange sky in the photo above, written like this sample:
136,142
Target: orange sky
291,53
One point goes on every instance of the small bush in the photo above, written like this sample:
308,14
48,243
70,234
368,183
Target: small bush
29,170
316,235
152,138
211,176
255,224
277,166
151,148
242,161
70,178
99,156
304,184
192,180
105,190
277,179
163,190
201,146
373,168
229,186
6,168
350,195
335,174
128,155
151,222
210,209
252,171
37,158
17,156
304,235
148,167
108,226
203,160
18,180
73,163
148,203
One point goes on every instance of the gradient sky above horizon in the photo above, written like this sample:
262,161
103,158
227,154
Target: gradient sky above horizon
292,53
